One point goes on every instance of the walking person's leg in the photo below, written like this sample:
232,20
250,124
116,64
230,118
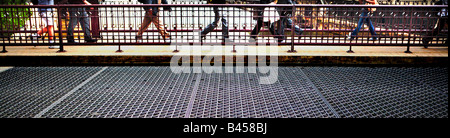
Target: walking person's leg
225,31
145,23
85,25
297,29
358,27
371,29
259,23
213,25
440,24
73,13
49,23
280,25
160,27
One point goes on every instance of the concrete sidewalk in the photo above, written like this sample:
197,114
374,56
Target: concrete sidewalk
132,55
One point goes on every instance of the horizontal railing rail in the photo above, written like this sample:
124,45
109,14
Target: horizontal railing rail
325,25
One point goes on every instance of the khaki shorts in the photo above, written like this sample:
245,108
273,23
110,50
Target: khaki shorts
47,18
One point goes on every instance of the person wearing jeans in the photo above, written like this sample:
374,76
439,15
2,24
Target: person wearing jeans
79,15
259,13
364,18
284,21
218,14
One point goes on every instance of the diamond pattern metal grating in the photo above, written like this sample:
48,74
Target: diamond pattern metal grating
382,92
156,92
25,91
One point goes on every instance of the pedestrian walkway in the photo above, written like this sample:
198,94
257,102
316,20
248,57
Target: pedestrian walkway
162,55
140,50
157,92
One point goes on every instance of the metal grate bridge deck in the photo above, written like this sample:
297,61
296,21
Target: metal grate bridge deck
156,92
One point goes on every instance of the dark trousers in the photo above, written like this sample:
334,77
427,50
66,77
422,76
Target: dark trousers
259,23
440,24
78,15
282,23
217,15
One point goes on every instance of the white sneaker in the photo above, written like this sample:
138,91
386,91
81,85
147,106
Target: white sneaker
53,46
34,36
349,36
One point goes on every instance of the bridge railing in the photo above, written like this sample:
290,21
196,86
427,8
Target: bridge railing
322,25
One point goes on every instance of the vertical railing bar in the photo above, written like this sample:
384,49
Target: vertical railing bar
61,46
3,39
409,32
176,30
292,50
4,49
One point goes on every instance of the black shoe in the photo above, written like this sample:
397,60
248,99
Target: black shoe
138,37
71,41
350,38
229,41
300,35
280,39
34,36
425,42
91,40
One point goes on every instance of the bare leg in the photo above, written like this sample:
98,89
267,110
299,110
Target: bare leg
160,28
147,21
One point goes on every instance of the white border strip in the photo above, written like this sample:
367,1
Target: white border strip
2,69
68,94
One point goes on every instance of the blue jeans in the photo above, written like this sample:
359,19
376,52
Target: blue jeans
284,22
78,15
364,18
217,15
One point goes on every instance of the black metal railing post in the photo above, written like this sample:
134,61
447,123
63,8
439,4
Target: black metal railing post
119,50
409,32
61,46
350,50
292,50
4,49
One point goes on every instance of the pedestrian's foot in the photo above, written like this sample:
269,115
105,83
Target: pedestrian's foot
167,37
425,43
280,40
71,41
91,40
300,35
53,47
227,40
252,40
138,37
34,36
350,38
